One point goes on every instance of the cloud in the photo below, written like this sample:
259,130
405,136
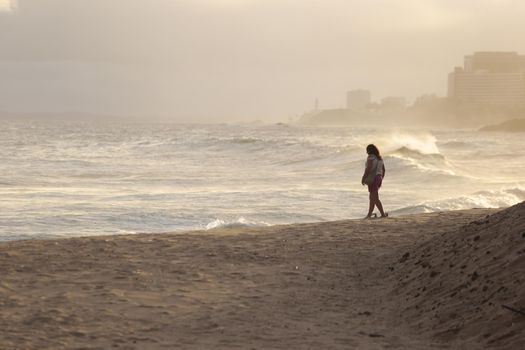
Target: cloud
7,5
170,56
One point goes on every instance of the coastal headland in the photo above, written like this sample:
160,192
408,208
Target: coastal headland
449,280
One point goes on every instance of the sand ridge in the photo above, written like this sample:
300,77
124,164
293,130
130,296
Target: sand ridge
334,285
462,285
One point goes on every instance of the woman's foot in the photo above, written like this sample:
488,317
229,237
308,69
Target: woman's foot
385,215
371,216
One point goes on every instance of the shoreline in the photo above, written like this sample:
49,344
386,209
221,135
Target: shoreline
334,285
228,229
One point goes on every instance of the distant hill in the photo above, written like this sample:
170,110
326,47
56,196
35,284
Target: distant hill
514,125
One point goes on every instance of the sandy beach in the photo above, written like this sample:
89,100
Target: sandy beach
427,281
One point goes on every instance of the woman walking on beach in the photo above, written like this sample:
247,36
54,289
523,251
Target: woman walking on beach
373,177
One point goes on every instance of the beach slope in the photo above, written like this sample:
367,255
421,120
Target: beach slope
428,281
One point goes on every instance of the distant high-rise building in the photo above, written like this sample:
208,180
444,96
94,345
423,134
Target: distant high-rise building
495,78
357,99
393,102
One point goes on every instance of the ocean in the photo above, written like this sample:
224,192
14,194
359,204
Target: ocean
66,179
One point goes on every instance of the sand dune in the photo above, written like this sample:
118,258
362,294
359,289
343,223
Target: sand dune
456,286
429,281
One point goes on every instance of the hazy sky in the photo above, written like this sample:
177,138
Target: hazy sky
235,59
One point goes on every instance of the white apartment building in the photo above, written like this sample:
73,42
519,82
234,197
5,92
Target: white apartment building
494,78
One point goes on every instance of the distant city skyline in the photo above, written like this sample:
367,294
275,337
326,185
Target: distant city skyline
211,60
486,77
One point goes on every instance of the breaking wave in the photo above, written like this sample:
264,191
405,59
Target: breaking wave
240,222
481,199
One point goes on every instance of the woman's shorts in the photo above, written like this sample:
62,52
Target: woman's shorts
376,185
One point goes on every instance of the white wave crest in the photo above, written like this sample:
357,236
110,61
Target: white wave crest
422,142
482,199
240,222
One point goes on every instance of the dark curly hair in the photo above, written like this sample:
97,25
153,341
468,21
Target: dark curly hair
372,149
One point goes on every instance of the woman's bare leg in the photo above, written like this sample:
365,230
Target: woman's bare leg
374,201
371,205
380,206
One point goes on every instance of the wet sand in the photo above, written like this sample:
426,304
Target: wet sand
415,282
